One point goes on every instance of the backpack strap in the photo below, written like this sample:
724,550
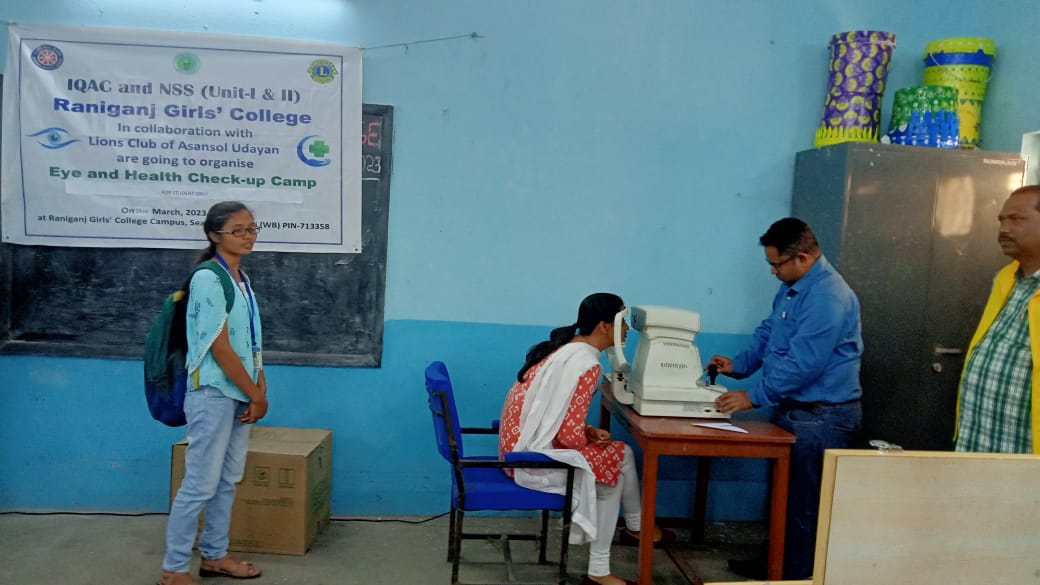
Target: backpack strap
229,296
225,281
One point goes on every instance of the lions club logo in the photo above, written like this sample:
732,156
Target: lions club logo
322,70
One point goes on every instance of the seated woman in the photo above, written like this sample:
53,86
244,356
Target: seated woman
545,412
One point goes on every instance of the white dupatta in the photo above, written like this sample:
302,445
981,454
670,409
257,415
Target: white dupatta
545,405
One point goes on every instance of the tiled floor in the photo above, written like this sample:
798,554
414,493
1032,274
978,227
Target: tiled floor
65,549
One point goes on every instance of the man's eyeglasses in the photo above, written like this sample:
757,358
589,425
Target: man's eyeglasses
781,262
242,231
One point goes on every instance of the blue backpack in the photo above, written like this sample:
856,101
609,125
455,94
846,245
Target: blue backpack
166,348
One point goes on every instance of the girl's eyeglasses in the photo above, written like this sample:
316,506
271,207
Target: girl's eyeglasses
242,231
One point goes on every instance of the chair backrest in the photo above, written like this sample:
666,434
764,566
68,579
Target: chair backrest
445,414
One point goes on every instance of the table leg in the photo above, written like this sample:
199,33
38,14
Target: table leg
646,530
778,516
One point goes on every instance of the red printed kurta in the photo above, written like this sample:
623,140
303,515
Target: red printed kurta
604,461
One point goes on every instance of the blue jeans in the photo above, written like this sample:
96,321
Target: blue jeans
213,463
817,427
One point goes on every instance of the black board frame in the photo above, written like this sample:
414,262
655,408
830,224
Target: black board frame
319,309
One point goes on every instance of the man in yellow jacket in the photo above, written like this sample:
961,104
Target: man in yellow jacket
998,408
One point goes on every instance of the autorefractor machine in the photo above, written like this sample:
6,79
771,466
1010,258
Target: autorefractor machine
665,377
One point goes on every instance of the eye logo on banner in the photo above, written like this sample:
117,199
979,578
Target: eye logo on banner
317,147
322,70
54,138
47,57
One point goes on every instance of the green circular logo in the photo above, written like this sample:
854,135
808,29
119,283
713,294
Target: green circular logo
186,63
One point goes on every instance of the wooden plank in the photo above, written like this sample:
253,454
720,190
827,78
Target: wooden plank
927,517
759,583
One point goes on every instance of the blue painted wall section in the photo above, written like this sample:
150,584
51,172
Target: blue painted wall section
83,439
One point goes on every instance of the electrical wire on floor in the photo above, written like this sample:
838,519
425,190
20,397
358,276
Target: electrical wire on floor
137,514
378,519
78,513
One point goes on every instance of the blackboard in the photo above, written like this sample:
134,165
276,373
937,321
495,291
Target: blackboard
318,309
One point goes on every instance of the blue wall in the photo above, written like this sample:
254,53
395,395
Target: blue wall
633,146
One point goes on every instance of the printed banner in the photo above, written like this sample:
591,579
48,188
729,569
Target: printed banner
124,138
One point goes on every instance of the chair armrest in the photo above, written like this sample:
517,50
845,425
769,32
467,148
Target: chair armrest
519,459
527,456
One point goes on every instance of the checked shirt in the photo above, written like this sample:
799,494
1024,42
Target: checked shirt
997,387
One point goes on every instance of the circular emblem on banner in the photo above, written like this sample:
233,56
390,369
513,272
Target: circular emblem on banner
186,63
322,70
47,57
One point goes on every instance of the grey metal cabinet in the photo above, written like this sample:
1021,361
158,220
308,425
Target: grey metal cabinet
914,232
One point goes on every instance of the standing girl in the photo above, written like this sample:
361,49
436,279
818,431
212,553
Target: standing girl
226,392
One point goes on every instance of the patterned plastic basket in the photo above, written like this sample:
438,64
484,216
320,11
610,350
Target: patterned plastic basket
858,71
966,64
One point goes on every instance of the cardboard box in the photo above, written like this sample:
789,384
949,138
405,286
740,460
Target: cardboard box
283,500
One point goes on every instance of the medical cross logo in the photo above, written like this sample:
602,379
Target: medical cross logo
312,151
319,149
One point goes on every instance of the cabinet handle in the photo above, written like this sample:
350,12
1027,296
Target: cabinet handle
940,350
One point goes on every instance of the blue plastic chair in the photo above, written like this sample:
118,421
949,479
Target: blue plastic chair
478,483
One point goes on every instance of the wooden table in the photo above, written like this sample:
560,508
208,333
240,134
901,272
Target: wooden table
678,436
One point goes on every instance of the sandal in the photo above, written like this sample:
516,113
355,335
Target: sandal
631,538
227,566
172,578
587,580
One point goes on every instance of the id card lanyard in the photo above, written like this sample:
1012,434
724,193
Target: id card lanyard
258,363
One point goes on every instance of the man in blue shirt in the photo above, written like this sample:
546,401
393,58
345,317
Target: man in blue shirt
809,350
